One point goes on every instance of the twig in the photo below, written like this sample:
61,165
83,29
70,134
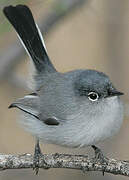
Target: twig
79,162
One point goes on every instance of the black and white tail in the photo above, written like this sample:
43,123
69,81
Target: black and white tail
22,20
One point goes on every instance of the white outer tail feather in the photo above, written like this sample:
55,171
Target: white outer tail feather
41,37
31,83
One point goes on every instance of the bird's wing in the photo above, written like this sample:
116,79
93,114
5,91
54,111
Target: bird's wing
28,104
52,121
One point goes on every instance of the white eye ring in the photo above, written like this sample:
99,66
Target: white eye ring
93,96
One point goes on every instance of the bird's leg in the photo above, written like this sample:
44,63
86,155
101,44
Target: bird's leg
37,154
98,153
99,157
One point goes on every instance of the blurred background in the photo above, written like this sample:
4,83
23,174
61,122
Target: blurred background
90,34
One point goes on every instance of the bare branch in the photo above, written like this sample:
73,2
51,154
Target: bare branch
80,162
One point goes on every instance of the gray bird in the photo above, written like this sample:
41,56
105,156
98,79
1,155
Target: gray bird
73,109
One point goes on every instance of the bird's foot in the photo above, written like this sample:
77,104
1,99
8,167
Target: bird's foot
37,155
99,157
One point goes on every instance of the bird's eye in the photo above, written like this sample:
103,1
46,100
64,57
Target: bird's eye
92,96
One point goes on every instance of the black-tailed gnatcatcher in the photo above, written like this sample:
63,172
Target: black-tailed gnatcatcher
74,109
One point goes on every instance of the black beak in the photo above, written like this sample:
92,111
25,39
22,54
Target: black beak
114,92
